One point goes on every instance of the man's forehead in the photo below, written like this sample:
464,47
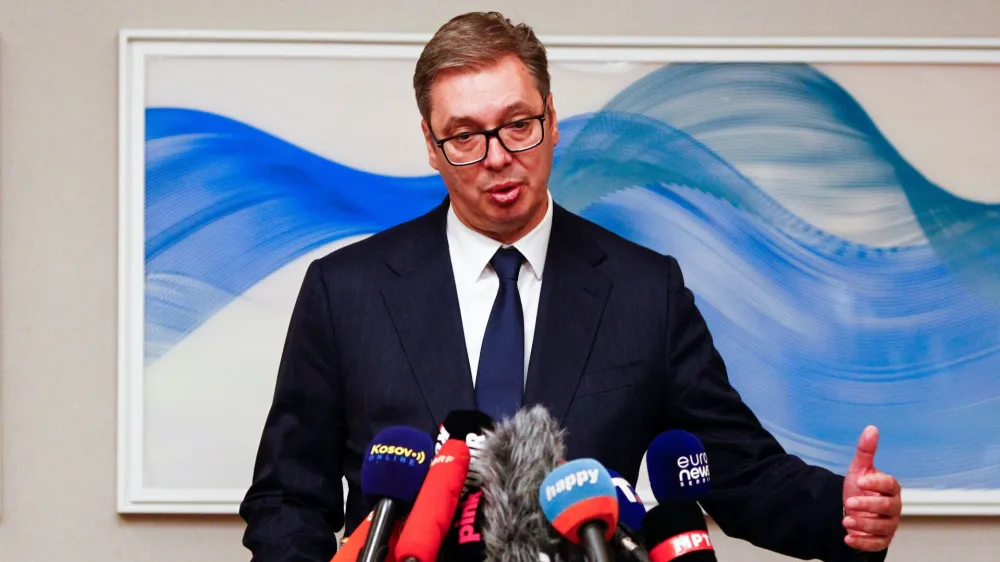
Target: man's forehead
486,110
483,94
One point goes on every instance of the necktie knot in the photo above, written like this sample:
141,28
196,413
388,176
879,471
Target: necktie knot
507,263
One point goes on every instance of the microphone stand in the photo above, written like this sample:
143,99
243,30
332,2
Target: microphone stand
592,539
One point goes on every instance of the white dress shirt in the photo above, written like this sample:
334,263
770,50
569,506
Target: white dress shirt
477,283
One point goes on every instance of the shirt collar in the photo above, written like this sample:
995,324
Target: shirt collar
471,251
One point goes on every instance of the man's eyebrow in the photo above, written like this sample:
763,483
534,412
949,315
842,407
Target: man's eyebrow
456,120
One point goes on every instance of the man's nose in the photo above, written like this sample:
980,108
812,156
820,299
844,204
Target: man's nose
497,156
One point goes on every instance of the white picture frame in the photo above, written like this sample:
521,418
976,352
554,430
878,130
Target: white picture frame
140,48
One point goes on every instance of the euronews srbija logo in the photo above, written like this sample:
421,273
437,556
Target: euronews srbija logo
395,453
693,469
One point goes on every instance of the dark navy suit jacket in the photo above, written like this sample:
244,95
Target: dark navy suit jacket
620,355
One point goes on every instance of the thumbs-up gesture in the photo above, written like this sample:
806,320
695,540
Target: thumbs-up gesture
872,501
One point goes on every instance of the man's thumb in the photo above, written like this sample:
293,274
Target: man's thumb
864,457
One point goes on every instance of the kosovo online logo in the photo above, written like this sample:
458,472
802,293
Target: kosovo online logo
396,453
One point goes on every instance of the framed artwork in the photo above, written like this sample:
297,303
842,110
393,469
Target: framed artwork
833,205
1,388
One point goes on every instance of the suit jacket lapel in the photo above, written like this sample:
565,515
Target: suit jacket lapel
423,303
570,307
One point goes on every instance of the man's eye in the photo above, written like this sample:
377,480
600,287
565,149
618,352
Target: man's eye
463,138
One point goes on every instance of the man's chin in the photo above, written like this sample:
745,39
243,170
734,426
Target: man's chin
512,226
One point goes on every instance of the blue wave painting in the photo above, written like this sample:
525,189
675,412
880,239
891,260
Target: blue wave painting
897,324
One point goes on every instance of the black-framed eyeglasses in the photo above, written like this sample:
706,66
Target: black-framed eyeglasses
471,147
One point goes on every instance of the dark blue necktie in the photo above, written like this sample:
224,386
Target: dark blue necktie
500,377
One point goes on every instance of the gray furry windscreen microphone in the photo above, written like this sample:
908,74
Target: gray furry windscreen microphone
517,455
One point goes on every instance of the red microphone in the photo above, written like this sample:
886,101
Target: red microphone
351,546
436,503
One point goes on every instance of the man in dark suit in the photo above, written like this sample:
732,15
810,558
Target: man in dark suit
499,299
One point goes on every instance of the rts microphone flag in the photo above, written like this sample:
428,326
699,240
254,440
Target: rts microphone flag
580,502
677,531
391,476
468,426
678,467
435,506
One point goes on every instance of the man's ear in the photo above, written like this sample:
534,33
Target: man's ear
432,151
553,121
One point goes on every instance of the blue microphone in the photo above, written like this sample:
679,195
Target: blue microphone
391,476
631,512
675,529
580,502
678,467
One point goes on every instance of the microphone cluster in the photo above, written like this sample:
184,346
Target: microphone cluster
503,491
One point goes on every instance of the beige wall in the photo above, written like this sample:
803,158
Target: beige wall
58,233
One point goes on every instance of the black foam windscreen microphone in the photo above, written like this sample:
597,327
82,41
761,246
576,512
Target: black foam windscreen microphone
392,474
677,530
517,456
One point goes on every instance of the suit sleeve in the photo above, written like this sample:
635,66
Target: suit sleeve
760,493
295,502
